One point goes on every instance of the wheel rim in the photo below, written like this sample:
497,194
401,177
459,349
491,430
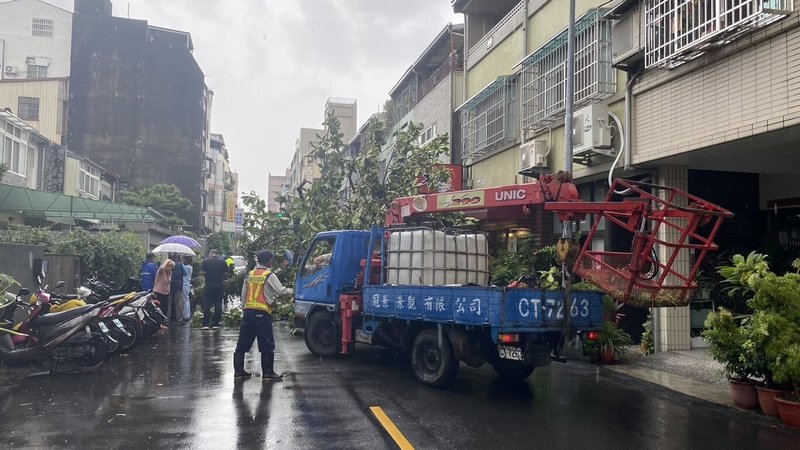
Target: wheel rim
430,357
324,335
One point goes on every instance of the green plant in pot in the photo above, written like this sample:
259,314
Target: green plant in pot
613,342
726,344
776,327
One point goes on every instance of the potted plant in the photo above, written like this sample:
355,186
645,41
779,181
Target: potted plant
726,344
613,341
775,325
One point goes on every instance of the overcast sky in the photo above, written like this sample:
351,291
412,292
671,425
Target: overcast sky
271,63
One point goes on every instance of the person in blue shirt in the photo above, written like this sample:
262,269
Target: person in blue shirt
147,274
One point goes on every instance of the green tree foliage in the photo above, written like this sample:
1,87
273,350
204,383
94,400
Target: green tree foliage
111,255
352,192
219,240
167,199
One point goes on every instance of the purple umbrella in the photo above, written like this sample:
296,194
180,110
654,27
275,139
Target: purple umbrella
181,239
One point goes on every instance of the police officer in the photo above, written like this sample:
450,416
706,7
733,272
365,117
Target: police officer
258,295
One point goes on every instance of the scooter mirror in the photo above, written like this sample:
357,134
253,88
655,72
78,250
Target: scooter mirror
24,292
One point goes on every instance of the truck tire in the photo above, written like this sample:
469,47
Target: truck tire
321,335
512,370
433,365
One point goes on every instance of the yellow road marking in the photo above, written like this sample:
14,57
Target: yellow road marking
390,427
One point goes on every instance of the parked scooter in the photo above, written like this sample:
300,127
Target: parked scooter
63,336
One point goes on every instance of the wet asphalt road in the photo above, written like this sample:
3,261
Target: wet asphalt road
177,391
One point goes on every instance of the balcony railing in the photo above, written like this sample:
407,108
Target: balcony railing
678,31
453,63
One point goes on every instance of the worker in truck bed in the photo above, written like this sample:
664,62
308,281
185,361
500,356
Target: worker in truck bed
258,295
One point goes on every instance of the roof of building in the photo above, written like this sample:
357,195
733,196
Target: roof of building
40,1
15,120
434,54
51,205
188,35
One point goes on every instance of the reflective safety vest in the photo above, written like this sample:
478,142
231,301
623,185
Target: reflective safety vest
256,280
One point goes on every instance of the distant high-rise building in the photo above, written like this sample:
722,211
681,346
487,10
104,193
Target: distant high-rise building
277,186
304,166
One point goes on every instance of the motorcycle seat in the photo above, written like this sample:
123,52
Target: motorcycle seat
53,318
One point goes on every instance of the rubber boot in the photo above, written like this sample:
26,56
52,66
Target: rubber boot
267,364
238,367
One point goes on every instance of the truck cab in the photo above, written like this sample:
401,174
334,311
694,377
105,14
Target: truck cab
328,268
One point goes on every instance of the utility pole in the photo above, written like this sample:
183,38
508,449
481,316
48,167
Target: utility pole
566,232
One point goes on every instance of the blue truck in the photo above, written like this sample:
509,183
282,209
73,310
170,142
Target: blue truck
344,295
341,298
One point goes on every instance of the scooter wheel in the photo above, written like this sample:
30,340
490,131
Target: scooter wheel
95,353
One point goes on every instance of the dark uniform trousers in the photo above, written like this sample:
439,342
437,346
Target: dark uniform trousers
256,324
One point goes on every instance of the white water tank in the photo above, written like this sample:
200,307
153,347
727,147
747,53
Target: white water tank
432,257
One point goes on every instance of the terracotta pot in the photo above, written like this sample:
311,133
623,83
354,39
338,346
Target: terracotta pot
744,394
789,411
607,355
766,399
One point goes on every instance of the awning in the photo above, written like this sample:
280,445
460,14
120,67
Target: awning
51,206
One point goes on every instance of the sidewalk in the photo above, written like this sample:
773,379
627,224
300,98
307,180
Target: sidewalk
690,372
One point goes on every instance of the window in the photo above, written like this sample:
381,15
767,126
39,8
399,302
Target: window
14,149
37,68
42,27
90,180
427,135
28,108
489,119
212,196
319,257
544,71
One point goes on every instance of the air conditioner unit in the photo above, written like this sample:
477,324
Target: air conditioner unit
626,49
11,70
591,132
533,155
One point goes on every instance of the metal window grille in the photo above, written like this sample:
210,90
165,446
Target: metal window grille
678,31
490,119
28,108
544,71
42,27
35,71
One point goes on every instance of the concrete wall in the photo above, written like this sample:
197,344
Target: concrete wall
72,173
17,261
52,95
16,31
436,108
137,105
749,87
347,113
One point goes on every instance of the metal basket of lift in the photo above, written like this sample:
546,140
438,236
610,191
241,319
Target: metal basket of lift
672,232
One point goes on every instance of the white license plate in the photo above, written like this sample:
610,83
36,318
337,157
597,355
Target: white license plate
140,313
118,323
103,327
508,352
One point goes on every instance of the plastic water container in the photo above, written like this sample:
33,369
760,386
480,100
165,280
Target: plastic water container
433,257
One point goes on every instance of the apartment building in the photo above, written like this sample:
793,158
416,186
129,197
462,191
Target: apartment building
429,92
276,185
304,166
35,40
700,95
220,188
